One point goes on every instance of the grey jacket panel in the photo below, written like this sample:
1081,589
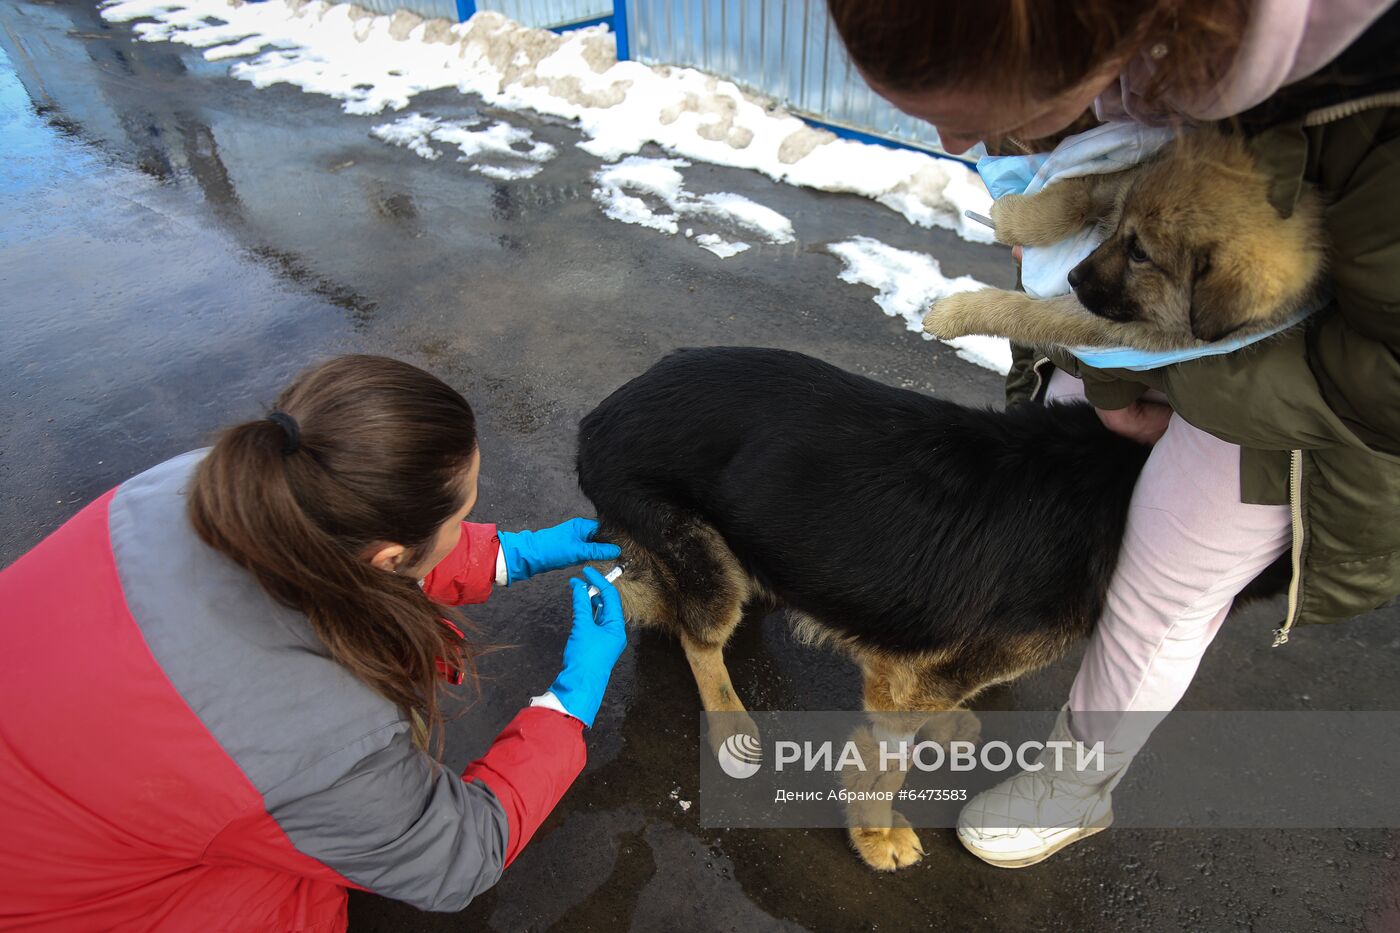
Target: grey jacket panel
401,824
332,759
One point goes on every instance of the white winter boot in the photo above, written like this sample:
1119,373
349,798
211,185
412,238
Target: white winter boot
1032,816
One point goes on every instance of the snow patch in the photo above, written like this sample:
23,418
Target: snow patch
500,143
373,63
720,246
624,186
907,283
506,173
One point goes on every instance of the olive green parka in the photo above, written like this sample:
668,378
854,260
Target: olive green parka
1316,409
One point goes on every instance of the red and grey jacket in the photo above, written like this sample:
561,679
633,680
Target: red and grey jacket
179,752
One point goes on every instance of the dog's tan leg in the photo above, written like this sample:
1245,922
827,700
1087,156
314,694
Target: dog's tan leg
880,834
717,694
712,677
1057,211
900,697
1060,321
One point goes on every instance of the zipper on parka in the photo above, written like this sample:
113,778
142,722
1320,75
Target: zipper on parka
1295,515
1317,117
1351,108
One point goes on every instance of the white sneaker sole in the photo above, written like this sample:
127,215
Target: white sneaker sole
1025,861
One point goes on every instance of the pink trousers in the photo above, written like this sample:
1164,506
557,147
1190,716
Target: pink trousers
1189,548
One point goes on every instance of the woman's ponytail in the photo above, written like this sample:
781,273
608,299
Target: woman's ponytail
361,451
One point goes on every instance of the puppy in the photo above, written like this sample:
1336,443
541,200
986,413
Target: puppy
1195,253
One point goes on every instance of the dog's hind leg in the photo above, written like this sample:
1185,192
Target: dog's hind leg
717,694
711,594
692,585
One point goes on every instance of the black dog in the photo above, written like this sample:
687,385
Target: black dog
945,548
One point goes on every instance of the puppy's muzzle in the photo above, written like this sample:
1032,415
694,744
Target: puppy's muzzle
1091,294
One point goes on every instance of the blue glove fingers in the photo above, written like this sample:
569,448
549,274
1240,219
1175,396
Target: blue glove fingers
610,615
592,649
599,551
528,553
584,529
583,607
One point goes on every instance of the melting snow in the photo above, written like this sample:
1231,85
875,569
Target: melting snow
373,63
908,283
498,142
623,185
720,246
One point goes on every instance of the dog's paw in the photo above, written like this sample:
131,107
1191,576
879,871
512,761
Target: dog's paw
958,725
1005,218
888,849
953,316
738,726
968,728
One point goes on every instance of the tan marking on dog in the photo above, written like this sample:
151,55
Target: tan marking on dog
904,692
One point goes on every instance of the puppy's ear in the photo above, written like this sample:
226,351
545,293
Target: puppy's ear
1216,298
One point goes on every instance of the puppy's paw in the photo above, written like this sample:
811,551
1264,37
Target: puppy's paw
1007,213
954,316
888,849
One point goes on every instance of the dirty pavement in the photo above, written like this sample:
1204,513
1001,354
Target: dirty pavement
176,244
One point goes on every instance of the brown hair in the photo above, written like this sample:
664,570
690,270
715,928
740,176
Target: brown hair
381,456
1036,47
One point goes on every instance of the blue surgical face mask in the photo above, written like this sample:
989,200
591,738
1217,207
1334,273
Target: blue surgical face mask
1009,174
1140,360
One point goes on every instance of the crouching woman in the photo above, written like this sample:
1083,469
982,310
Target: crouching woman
220,677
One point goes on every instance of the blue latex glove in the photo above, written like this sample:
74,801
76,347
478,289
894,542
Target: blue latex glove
530,552
594,645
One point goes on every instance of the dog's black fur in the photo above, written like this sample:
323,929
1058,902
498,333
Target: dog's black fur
945,548
905,522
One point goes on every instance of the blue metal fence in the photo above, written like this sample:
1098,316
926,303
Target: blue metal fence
541,14
784,49
552,14
558,15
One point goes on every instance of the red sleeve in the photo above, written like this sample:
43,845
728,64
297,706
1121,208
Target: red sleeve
529,767
468,573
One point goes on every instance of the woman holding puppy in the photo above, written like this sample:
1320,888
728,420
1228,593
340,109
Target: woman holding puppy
1288,448
223,679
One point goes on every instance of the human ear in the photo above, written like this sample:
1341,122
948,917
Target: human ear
389,557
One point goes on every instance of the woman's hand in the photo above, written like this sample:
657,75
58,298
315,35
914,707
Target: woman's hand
1142,421
530,552
595,643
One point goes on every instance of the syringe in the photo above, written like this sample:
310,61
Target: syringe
610,576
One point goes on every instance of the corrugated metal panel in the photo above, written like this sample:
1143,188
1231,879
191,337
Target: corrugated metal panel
543,14
786,49
547,14
432,9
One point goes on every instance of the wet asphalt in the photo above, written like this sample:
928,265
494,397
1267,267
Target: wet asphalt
175,245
